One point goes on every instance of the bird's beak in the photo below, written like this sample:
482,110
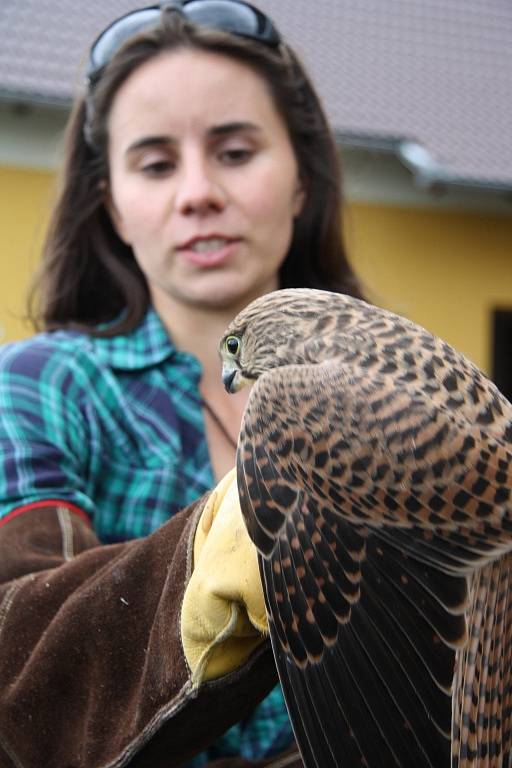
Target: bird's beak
232,377
228,378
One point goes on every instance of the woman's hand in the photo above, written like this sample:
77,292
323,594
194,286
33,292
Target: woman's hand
223,616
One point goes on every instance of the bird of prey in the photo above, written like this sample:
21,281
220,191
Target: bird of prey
374,468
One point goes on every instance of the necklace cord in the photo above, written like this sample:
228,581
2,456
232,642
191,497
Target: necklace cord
216,418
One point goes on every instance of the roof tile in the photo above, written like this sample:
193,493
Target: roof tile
435,71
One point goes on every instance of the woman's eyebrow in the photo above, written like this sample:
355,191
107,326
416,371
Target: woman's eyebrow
234,127
150,141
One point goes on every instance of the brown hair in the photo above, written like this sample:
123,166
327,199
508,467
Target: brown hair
90,277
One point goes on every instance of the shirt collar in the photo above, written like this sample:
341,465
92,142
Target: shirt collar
146,345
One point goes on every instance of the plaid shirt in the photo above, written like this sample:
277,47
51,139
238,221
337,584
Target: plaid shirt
115,427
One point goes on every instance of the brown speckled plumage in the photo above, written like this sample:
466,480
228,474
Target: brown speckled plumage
374,469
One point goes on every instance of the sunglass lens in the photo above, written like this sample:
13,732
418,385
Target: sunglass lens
233,17
115,35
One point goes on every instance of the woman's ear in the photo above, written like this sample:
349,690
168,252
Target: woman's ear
112,211
299,198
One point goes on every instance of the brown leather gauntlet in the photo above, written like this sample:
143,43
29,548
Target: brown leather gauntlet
92,671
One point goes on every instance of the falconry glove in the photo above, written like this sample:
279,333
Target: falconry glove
223,616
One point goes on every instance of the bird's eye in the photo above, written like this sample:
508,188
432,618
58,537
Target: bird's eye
232,344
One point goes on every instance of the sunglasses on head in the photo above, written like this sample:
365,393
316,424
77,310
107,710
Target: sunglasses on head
234,16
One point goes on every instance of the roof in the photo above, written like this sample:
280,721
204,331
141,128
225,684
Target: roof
431,79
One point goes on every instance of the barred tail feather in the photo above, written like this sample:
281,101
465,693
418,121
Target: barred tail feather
483,700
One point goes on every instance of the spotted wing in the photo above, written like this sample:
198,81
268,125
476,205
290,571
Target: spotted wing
370,508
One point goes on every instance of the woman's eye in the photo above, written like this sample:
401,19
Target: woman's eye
157,168
236,155
155,163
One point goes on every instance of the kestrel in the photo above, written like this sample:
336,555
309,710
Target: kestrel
374,472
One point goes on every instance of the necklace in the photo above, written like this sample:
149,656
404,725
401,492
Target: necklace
221,426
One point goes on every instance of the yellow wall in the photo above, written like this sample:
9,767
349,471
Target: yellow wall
446,270
26,198
442,269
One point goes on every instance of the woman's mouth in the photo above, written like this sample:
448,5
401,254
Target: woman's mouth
208,251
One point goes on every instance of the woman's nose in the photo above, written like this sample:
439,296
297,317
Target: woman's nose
198,191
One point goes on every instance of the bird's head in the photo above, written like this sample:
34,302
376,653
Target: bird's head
286,327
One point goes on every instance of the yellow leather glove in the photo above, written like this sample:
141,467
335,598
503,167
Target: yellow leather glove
223,616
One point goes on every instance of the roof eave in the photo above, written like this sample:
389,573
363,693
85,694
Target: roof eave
28,99
427,173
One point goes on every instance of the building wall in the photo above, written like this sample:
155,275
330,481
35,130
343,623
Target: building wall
446,270
26,199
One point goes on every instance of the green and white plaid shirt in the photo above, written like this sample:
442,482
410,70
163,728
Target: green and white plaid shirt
114,426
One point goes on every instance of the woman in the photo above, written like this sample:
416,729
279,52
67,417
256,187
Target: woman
199,173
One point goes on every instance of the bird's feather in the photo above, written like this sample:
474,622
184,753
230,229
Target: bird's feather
374,470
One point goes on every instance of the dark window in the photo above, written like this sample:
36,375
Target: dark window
502,351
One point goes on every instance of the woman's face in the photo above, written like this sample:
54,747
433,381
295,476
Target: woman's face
204,184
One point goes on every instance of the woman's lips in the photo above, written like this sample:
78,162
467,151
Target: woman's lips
201,255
